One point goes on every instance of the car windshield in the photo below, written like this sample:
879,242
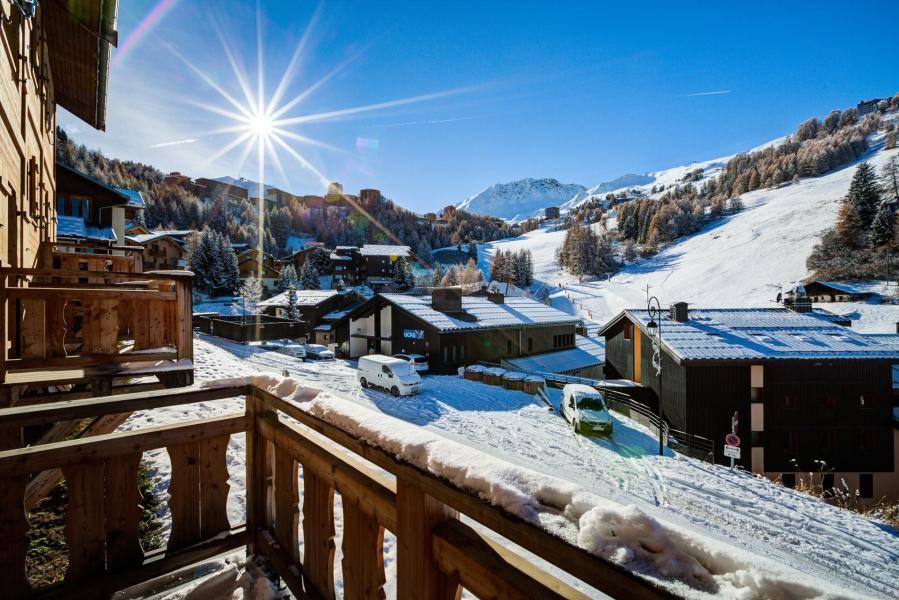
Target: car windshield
589,403
400,369
316,347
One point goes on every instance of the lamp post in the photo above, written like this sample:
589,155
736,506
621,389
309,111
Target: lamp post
654,308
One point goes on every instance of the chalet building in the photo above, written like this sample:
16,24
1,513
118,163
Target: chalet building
185,183
90,210
313,305
835,291
346,264
248,265
164,249
378,261
551,212
805,389
448,212
300,256
454,330
866,107
369,197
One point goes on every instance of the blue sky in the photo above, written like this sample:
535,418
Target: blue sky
578,91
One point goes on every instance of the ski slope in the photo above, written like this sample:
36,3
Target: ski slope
836,550
739,260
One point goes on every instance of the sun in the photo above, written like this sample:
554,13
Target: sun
261,124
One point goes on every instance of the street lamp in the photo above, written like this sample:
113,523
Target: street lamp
654,327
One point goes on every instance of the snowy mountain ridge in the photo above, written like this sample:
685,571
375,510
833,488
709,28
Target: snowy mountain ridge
518,200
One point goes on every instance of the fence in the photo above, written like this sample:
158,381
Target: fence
437,554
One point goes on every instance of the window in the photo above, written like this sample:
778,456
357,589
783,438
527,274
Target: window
757,395
827,482
508,346
757,438
866,485
791,401
80,207
530,344
385,370
60,204
788,479
627,330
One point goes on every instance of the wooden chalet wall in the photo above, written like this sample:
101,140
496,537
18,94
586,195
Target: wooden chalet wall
27,137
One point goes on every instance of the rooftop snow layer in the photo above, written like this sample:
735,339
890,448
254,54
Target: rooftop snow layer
304,298
70,226
143,238
135,198
379,250
514,311
762,333
589,352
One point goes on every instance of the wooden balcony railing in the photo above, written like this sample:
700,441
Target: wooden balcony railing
437,553
74,256
61,318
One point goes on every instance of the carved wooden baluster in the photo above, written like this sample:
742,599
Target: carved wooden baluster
56,328
363,554
214,486
184,489
108,326
418,576
85,527
318,535
33,328
123,512
140,318
287,498
156,321
13,527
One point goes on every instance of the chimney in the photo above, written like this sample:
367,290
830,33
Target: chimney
447,300
679,312
496,297
797,301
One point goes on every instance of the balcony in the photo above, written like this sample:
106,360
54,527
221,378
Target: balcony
87,315
438,553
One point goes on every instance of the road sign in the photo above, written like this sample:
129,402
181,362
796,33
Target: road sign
732,439
732,451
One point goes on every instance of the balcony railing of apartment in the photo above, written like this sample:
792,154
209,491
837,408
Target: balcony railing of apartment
437,552
84,256
83,318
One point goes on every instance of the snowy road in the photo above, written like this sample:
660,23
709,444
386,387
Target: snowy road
788,527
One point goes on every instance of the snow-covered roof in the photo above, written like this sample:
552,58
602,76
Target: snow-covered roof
304,298
135,198
845,286
144,238
589,352
482,312
506,289
761,334
379,250
75,227
335,256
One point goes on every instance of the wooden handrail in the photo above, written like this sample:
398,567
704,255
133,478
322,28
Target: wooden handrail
100,294
93,246
115,275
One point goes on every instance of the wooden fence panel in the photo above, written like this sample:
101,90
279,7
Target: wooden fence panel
318,535
214,486
287,499
140,324
156,318
85,527
363,554
184,492
123,512
13,528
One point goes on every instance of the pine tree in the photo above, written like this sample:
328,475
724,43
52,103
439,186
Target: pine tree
308,277
250,294
849,226
882,226
449,279
735,205
201,261
437,276
473,251
889,179
864,194
497,267
288,278
226,275
402,274
293,308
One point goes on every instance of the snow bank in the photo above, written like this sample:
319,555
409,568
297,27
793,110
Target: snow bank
686,562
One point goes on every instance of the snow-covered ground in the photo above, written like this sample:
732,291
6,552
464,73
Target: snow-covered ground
834,548
740,260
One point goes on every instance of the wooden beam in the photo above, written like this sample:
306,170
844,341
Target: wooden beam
110,275
89,293
488,570
101,447
292,574
79,409
603,575
86,360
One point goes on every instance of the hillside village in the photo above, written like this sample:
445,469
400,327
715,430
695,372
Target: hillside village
677,384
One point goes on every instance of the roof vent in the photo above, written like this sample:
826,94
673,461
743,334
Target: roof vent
797,301
496,296
447,300
679,312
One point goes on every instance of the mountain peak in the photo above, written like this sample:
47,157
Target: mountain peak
518,200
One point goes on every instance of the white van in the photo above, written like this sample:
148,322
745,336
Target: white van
584,407
392,374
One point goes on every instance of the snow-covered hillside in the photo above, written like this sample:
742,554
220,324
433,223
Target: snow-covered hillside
518,200
740,260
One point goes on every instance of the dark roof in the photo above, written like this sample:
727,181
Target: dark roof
121,198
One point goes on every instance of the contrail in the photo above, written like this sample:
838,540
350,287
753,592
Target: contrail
175,143
717,93
434,121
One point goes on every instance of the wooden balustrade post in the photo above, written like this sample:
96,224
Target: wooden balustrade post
13,527
258,470
184,338
287,498
418,575
4,333
363,554
318,535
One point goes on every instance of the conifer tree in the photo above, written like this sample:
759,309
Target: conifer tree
437,276
882,226
288,278
864,194
472,251
250,294
309,276
293,308
402,274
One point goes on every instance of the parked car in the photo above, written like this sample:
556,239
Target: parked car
318,351
293,349
419,362
392,374
585,408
